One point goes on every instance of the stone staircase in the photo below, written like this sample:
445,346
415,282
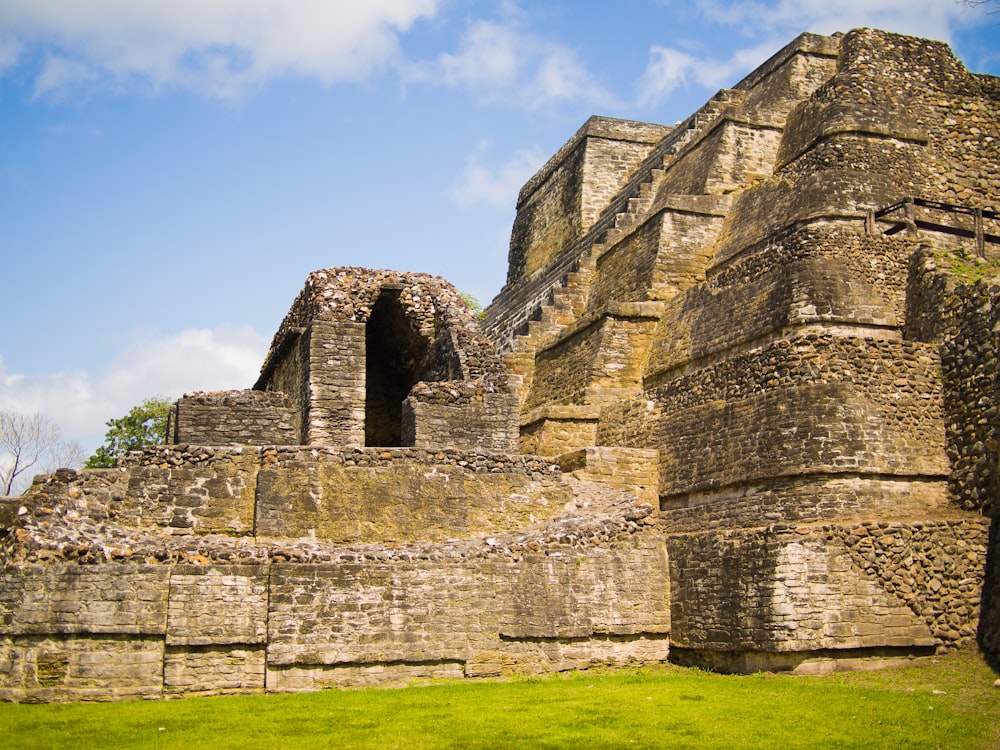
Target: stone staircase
557,295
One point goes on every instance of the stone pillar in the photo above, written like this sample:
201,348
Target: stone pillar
336,384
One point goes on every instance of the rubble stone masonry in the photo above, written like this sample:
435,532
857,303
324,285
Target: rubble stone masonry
736,406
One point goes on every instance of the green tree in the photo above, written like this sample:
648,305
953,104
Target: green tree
475,305
144,425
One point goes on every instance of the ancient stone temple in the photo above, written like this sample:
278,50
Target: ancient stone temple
735,406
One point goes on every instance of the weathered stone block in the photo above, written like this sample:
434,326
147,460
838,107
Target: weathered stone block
45,668
70,598
211,670
217,604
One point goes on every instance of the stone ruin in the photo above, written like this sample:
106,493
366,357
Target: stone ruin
736,406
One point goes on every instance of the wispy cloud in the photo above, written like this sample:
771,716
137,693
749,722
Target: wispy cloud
670,69
150,363
494,186
215,47
765,25
10,51
501,62
935,19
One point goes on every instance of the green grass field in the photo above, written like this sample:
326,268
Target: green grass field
948,703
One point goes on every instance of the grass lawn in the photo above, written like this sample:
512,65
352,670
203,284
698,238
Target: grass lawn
948,703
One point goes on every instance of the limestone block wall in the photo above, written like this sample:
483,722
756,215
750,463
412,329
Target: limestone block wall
805,499
201,489
599,358
288,372
631,470
447,415
900,117
968,314
336,408
561,202
739,146
667,255
946,307
859,286
79,633
338,494
989,620
368,616
402,494
778,597
245,417
789,76
811,403
723,158
552,429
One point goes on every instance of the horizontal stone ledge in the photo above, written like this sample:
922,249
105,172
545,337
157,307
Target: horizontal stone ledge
819,661
216,642
707,206
790,335
602,456
623,634
695,498
350,655
562,412
791,531
712,488
650,311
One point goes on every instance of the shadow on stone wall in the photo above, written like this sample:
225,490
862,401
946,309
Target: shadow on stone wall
989,617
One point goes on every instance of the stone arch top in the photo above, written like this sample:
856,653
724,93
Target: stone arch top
433,307
372,357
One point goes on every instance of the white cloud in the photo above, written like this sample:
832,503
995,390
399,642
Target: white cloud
672,68
148,364
935,19
10,51
496,187
216,47
500,62
668,69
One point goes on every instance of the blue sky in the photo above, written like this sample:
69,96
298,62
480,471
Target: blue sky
171,170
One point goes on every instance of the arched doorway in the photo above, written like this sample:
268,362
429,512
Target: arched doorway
395,356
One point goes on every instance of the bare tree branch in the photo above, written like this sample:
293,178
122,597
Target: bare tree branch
31,444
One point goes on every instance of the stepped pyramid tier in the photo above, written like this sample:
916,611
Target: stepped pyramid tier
744,307
736,406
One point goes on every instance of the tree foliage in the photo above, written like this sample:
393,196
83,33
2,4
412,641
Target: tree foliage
143,426
475,305
32,444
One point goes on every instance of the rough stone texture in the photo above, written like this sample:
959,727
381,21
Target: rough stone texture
401,495
41,668
357,343
445,416
628,469
547,431
989,621
563,199
215,605
804,365
589,586
811,589
245,417
107,599
711,320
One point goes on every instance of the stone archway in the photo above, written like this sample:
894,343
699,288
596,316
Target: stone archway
395,357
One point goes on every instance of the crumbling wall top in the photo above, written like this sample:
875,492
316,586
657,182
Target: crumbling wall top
431,304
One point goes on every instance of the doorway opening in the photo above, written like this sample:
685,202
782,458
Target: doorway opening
395,358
